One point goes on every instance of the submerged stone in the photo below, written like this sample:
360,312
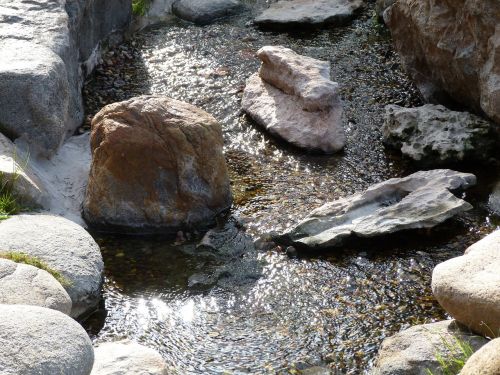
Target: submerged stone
421,200
292,97
290,13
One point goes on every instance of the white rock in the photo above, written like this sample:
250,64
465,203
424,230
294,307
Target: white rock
468,287
289,13
415,350
292,97
22,284
486,361
435,134
39,341
62,245
125,357
420,200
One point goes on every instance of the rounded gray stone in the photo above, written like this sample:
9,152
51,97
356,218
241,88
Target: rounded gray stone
39,341
22,284
62,245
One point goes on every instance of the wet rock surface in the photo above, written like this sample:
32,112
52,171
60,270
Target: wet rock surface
451,50
414,351
126,357
292,97
468,287
204,12
40,341
62,245
433,134
22,284
183,181
290,13
421,200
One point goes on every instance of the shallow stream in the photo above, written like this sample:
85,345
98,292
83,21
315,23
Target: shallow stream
282,314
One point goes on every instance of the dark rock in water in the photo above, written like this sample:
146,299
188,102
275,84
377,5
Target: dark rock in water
433,134
292,13
203,12
421,200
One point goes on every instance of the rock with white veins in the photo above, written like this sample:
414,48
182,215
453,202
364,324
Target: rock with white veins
22,284
292,97
65,247
39,341
468,286
421,200
416,349
126,357
290,13
433,133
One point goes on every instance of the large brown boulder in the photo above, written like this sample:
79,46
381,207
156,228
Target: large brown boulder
157,165
451,49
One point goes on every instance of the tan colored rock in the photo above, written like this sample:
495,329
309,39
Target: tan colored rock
468,287
451,49
157,164
293,98
486,361
415,350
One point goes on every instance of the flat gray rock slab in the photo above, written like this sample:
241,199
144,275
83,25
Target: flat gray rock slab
289,13
22,284
39,341
434,134
468,286
421,200
126,357
203,12
64,246
414,350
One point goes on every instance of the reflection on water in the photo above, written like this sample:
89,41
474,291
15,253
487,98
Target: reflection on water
332,309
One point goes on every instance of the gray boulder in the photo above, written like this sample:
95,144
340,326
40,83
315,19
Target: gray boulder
415,351
39,341
22,284
292,13
62,245
126,357
203,12
421,200
468,286
435,134
486,361
46,51
381,6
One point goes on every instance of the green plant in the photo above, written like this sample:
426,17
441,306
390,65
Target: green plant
19,257
457,353
140,7
8,202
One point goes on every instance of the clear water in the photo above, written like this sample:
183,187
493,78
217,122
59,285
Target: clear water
274,313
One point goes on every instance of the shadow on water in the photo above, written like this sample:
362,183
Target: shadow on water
332,308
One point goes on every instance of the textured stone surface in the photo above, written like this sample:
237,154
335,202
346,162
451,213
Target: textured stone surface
62,245
494,199
40,75
433,134
468,287
126,357
293,98
290,13
15,169
203,12
486,361
414,351
381,6
420,200
22,284
183,181
39,341
451,49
